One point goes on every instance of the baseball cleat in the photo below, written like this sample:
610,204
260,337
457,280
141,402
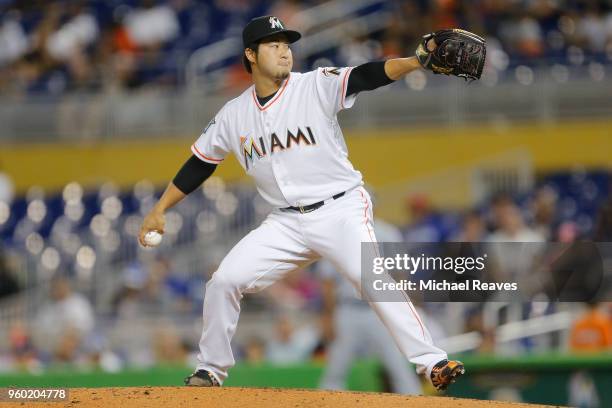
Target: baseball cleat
201,378
445,373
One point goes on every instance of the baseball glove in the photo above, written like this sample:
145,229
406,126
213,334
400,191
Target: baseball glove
458,52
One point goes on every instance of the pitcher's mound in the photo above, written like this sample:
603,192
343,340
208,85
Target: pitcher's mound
257,397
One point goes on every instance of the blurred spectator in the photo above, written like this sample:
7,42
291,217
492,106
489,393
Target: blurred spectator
168,345
391,39
524,36
99,355
151,25
66,317
128,301
592,28
511,226
472,228
68,349
118,48
290,345
22,354
255,351
149,291
8,283
495,208
13,39
444,13
592,332
139,43
69,41
475,323
165,291
426,224
513,246
544,210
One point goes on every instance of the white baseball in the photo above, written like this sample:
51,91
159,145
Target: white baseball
153,238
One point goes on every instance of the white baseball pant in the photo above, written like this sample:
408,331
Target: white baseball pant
287,240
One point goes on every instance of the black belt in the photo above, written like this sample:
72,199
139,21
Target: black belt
312,207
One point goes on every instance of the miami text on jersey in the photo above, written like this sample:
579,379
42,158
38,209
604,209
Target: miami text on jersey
251,150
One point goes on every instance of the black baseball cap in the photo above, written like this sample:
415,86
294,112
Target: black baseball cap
265,26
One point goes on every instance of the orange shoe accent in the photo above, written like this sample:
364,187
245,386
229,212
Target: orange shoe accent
445,373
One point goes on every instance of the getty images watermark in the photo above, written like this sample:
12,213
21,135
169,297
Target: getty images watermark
483,271
423,263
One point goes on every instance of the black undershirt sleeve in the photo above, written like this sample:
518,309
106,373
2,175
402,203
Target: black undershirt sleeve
367,77
193,173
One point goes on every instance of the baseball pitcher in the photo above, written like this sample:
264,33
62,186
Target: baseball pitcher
284,132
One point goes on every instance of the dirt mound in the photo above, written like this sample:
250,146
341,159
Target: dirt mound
228,397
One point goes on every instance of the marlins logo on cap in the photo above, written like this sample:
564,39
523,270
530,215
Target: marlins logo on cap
276,23
265,26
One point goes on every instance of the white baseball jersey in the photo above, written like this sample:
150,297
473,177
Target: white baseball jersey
292,146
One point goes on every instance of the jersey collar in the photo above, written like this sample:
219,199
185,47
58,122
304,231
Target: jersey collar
271,101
